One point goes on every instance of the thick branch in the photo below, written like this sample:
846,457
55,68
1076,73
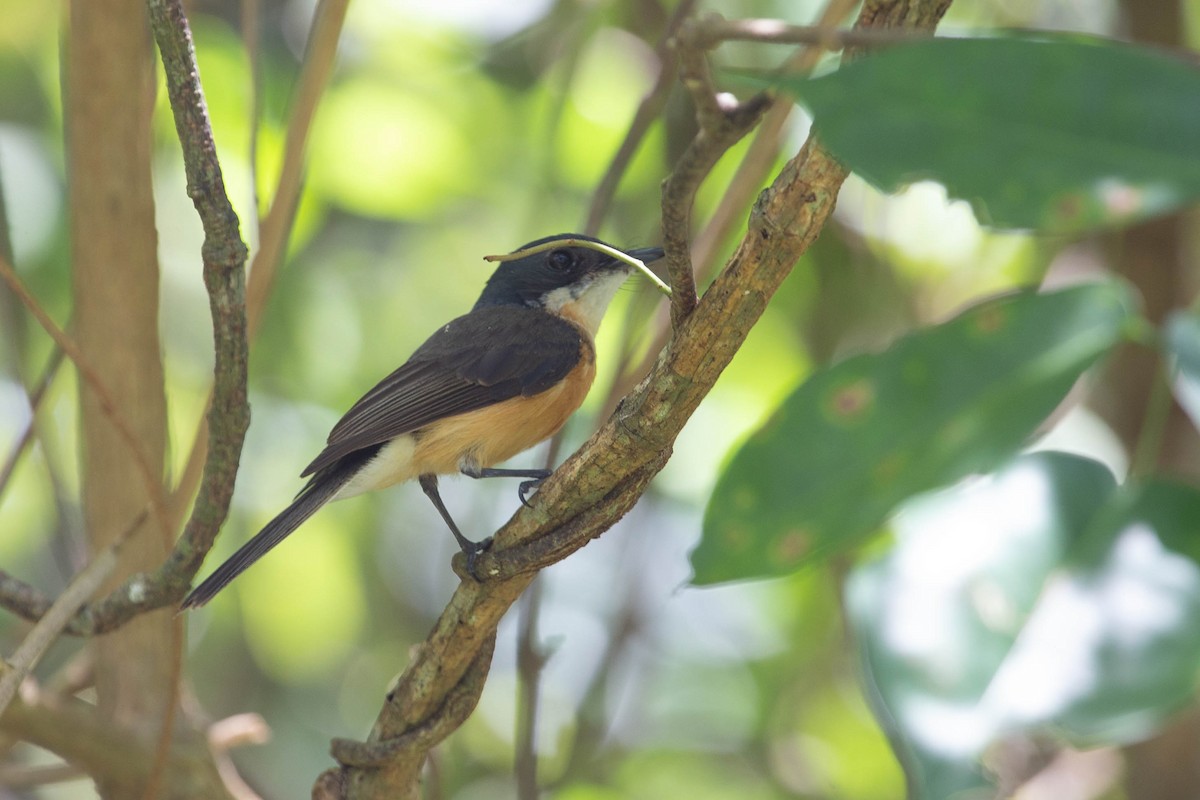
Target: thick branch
73,729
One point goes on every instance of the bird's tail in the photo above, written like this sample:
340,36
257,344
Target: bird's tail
320,490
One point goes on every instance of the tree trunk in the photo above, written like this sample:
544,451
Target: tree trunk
1155,258
110,95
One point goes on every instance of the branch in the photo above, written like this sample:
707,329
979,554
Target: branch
531,659
735,200
95,383
224,256
597,485
763,151
276,228
723,121
50,626
75,730
648,111
35,401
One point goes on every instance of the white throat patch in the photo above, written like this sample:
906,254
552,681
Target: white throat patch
588,301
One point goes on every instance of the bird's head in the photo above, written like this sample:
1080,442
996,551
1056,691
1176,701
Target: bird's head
571,281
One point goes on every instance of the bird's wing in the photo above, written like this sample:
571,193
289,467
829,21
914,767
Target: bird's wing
490,355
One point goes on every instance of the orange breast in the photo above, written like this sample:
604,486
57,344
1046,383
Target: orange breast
497,433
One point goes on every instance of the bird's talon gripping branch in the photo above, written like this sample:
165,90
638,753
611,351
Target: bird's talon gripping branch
526,487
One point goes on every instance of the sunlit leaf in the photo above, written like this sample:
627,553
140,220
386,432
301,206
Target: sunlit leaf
1042,598
1056,133
860,437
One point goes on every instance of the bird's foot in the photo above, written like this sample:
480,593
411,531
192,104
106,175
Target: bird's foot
529,486
471,552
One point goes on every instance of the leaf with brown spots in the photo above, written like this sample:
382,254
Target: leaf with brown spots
862,436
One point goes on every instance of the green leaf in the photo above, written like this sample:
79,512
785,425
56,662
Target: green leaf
1060,134
860,437
1041,598
1183,344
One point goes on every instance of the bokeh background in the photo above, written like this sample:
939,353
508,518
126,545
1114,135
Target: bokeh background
452,130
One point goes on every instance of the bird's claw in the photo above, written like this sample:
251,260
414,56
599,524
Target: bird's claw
471,552
526,487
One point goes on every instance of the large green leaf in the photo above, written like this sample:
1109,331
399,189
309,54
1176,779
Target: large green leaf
1042,598
1055,133
858,438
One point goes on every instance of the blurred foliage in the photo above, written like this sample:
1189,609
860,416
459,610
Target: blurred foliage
457,129
1054,601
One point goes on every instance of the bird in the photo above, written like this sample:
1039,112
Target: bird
483,388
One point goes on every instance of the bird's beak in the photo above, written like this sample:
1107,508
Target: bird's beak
646,255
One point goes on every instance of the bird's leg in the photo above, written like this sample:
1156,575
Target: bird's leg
536,476
470,549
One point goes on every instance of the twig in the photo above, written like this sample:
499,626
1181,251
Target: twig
35,401
75,731
598,246
530,661
224,256
96,384
736,198
238,731
316,69
251,41
17,778
723,121
50,626
77,674
590,730
647,111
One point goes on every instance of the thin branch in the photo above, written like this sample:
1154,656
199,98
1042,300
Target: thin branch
236,731
763,151
251,42
735,198
712,29
95,383
723,121
458,704
35,402
647,111
22,777
50,626
590,730
317,67
530,661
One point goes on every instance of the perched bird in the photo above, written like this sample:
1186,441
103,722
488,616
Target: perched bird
483,388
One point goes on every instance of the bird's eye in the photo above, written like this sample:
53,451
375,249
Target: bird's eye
561,259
